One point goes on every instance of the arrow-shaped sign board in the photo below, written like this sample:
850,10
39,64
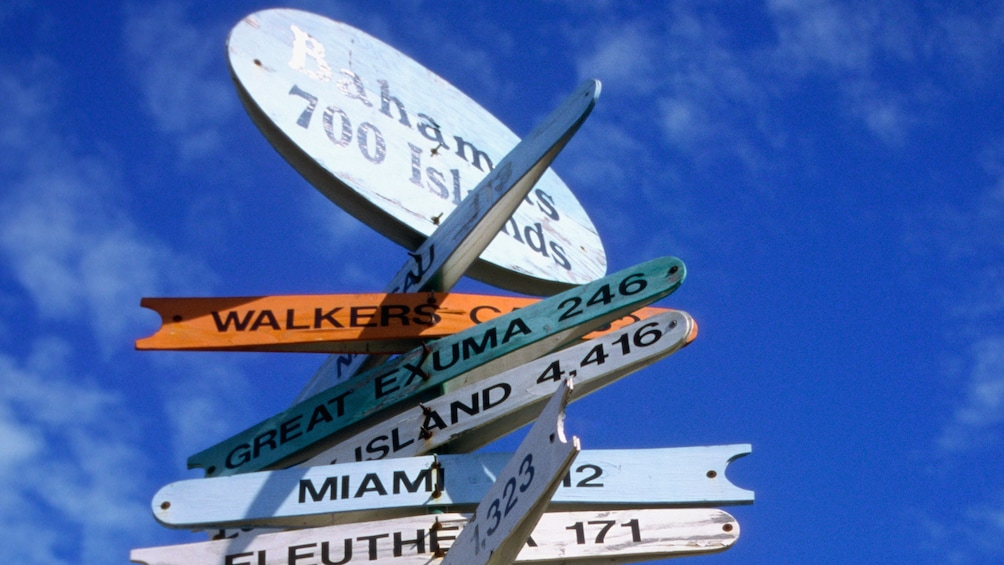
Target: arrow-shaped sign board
605,536
373,490
307,428
451,249
474,414
399,147
328,323
510,509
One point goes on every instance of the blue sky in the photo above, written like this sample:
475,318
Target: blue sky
832,173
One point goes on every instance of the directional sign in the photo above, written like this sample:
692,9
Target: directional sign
451,249
358,323
371,490
474,414
306,428
610,536
399,147
510,509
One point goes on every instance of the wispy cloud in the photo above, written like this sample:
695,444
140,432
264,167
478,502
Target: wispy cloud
182,74
66,498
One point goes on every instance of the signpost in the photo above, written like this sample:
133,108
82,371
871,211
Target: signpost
510,509
305,429
388,488
408,154
473,414
605,536
329,323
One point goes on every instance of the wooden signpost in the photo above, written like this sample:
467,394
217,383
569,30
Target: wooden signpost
329,323
520,493
583,538
473,414
408,154
511,339
387,488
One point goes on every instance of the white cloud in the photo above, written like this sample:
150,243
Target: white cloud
182,74
66,489
977,421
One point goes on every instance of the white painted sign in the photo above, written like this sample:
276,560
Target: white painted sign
399,147
475,413
617,536
446,255
372,490
509,511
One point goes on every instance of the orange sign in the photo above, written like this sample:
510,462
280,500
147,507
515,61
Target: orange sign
329,323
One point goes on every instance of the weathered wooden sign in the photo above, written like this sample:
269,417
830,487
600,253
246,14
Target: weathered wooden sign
606,536
306,428
474,414
329,323
372,490
399,147
520,493
451,249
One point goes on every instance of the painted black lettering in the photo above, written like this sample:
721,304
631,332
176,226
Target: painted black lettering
516,327
416,164
437,179
232,318
427,313
457,406
476,154
401,480
395,436
287,428
295,555
513,231
536,243
370,483
320,316
558,254
418,543
436,535
357,315
382,383
437,363
486,395
320,415
264,439
329,488
430,130
390,312
378,152
243,454
414,372
291,323
345,135
377,446
346,553
488,341
385,102
433,420
373,544
265,318
546,204
476,313
340,403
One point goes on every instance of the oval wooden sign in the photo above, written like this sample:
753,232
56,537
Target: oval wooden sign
398,147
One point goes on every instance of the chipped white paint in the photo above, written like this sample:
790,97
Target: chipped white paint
399,147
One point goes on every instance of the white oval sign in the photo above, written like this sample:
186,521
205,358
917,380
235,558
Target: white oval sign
398,147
